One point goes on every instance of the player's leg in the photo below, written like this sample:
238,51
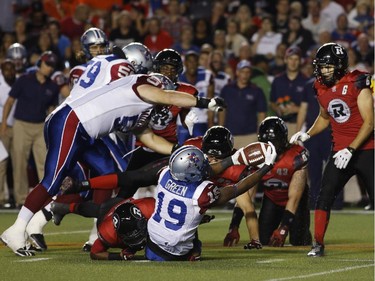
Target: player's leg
270,216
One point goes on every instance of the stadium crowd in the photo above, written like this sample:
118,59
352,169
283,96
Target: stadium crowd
257,57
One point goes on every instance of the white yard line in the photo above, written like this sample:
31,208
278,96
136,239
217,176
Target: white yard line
33,260
322,273
270,261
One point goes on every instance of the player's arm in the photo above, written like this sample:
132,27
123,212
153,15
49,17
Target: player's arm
366,109
168,97
232,191
321,122
99,251
296,189
155,142
301,116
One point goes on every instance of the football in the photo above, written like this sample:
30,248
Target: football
252,154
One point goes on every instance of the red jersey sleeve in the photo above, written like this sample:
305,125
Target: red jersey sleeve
186,88
209,195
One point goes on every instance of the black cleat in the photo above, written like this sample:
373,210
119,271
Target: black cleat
39,242
87,247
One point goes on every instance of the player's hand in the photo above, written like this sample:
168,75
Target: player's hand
190,119
232,237
253,244
216,104
342,158
71,186
278,236
299,136
206,219
127,254
269,154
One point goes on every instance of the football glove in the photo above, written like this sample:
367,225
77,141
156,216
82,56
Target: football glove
206,219
232,237
299,136
190,119
253,244
342,158
278,236
216,104
269,155
70,186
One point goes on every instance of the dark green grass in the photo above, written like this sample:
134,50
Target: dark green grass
349,256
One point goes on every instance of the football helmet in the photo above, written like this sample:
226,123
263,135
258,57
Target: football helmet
18,55
273,129
189,164
94,36
139,56
334,55
169,57
165,81
218,142
130,225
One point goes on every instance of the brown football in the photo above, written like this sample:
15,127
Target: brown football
252,154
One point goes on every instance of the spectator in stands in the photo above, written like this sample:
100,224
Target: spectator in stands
175,23
354,62
202,32
157,39
315,22
217,66
6,41
74,26
282,16
37,19
218,19
245,21
125,31
277,64
362,15
363,50
266,39
20,32
44,43
287,88
246,106
297,35
233,38
59,41
296,9
331,9
186,42
342,34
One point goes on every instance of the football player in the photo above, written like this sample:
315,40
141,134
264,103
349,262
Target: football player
284,207
346,103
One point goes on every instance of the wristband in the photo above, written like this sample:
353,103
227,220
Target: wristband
288,218
351,149
202,102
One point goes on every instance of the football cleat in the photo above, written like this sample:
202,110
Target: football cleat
15,240
87,247
38,241
317,250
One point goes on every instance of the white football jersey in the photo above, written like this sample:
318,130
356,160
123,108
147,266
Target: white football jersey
115,106
4,94
179,208
100,71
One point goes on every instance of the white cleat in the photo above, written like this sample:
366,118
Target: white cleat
16,241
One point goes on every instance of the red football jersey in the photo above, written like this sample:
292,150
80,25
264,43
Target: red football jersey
106,231
231,175
340,101
276,182
164,118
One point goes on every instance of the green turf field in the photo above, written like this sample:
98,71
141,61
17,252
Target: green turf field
349,256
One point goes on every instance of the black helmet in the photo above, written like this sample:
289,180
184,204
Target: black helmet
331,54
218,142
130,225
273,129
168,56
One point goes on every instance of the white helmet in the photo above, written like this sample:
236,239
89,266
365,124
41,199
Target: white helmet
139,56
18,55
189,164
94,36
